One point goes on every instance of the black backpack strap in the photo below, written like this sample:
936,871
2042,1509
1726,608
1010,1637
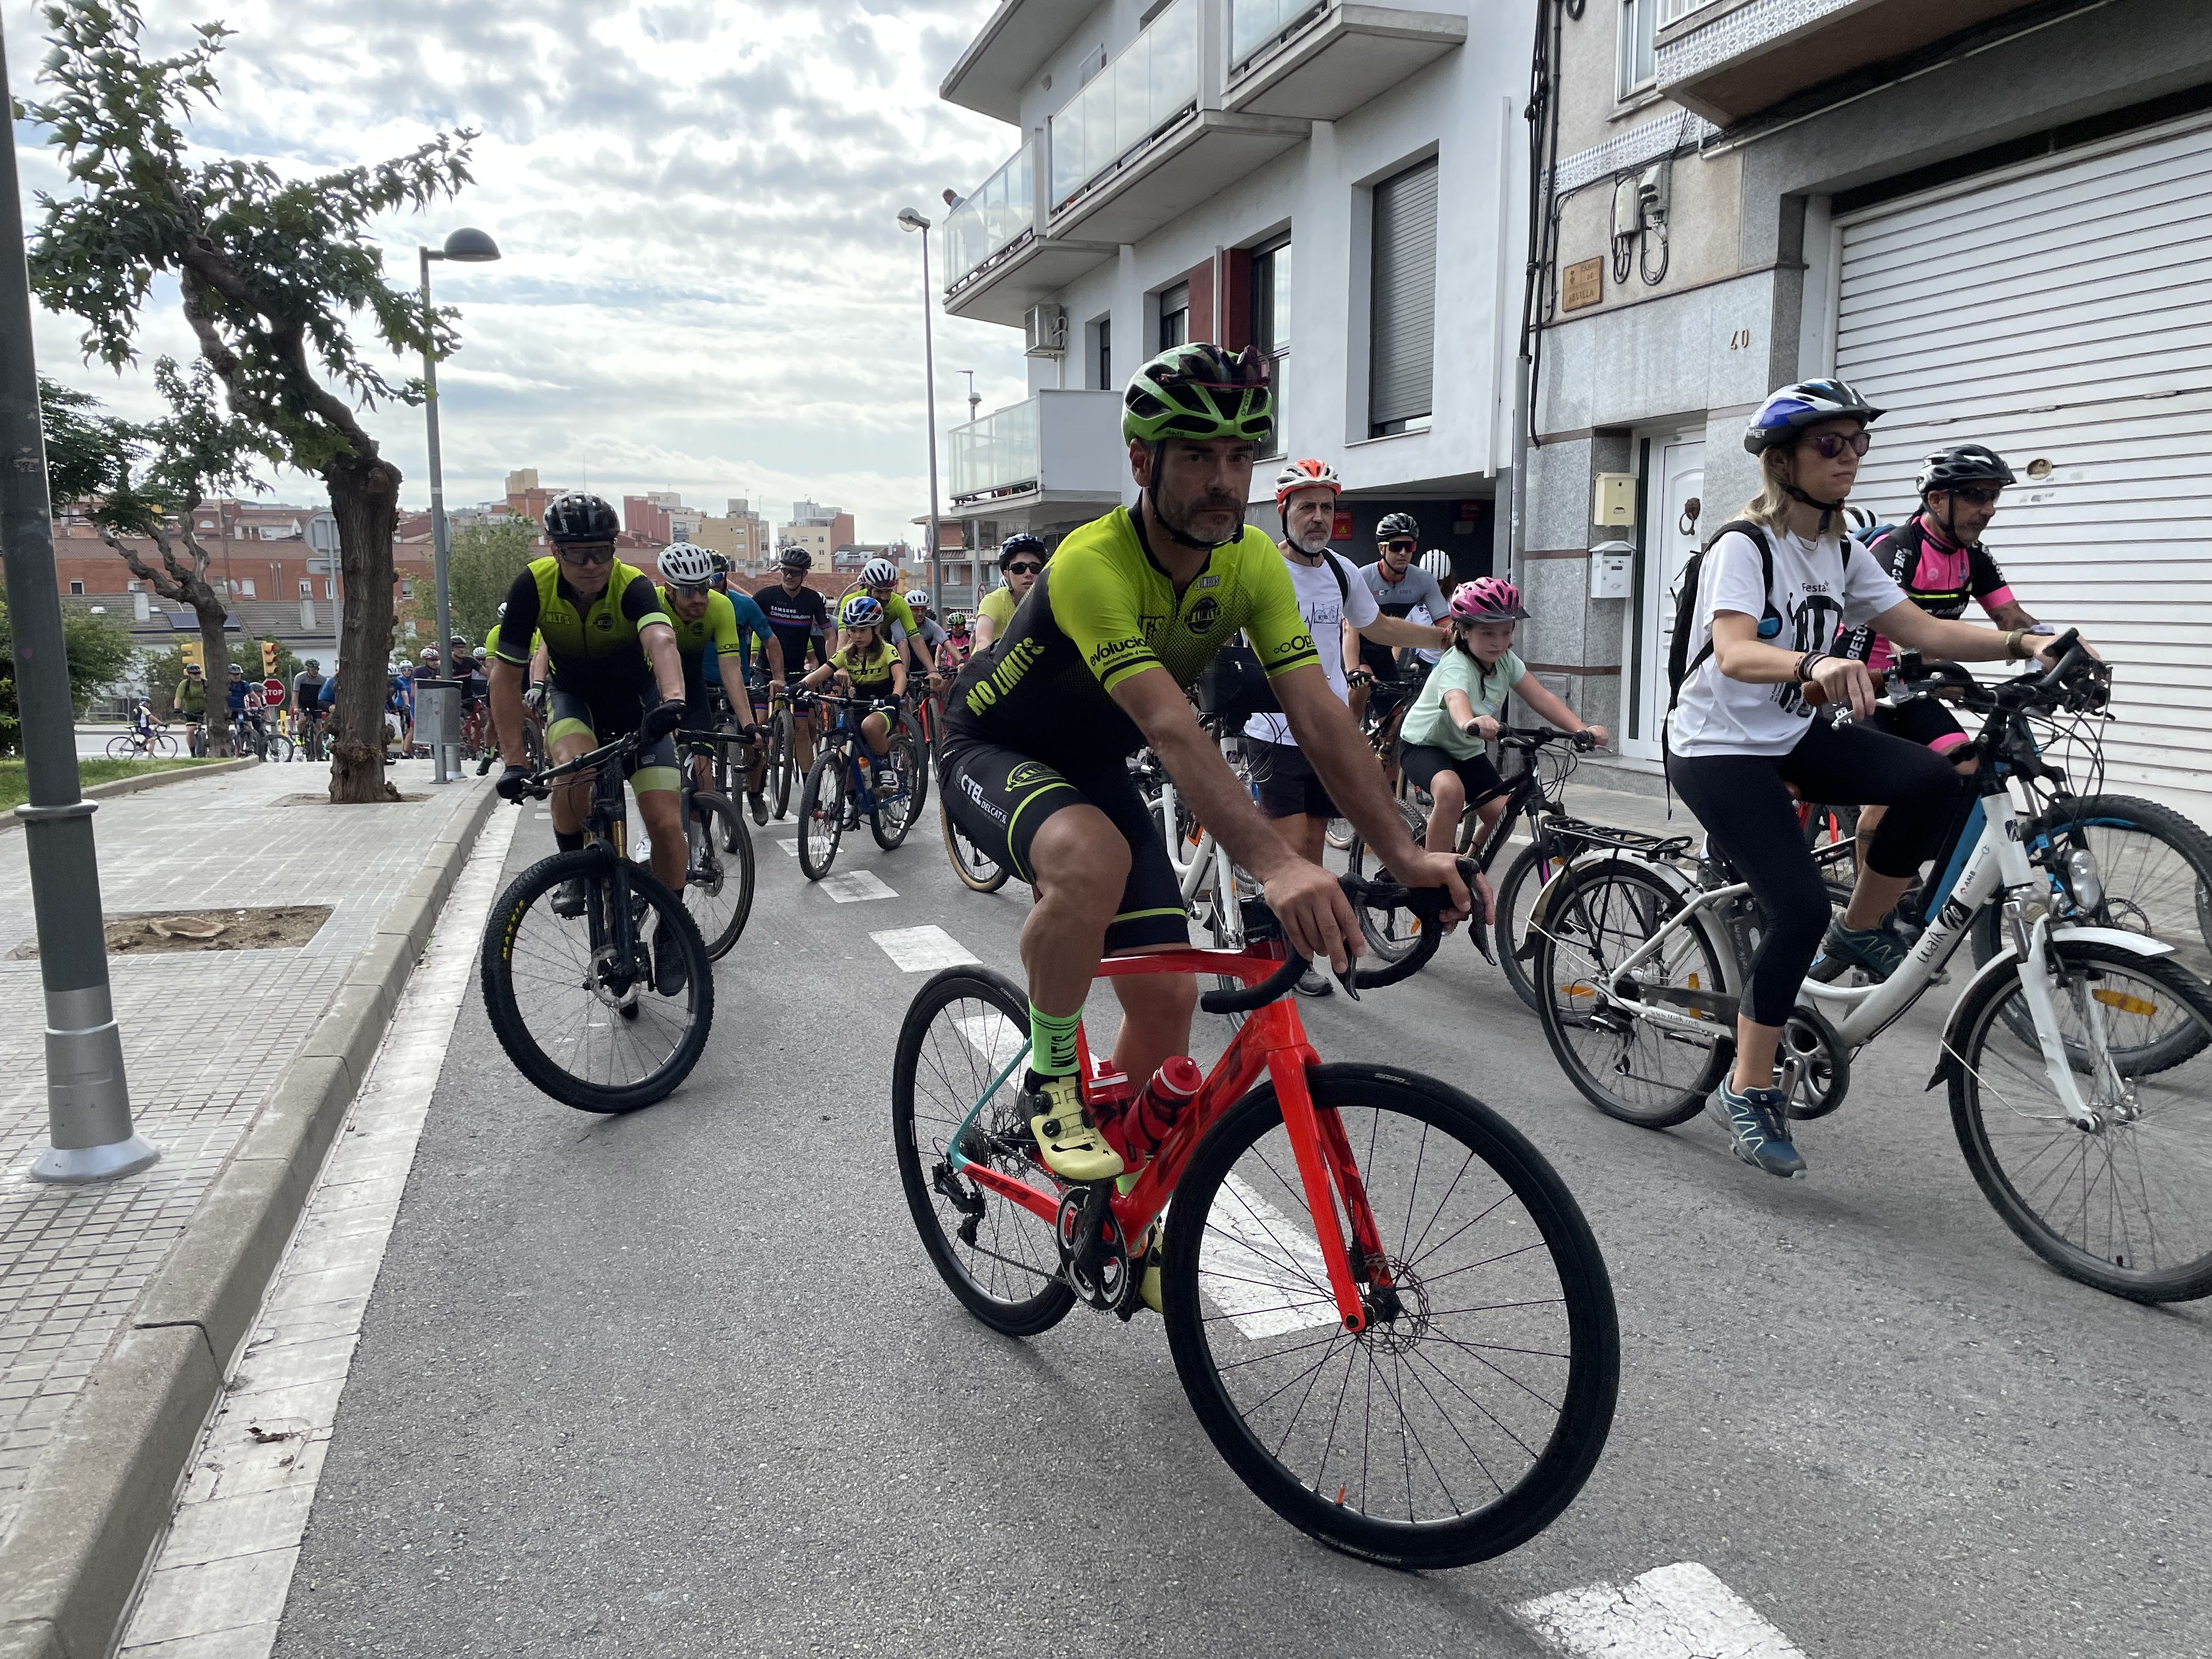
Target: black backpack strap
1757,533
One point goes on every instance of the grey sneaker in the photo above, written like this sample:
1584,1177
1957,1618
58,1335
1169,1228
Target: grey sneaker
1316,981
1874,951
1758,1128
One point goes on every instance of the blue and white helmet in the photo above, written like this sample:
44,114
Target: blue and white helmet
1791,410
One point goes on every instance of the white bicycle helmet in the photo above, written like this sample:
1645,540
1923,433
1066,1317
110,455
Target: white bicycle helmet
1438,564
917,598
879,572
686,563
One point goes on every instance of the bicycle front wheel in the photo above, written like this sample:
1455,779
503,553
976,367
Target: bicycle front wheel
718,882
1390,935
780,761
1640,1071
124,747
571,997
2126,1203
1473,1408
978,871
278,747
967,1026
822,814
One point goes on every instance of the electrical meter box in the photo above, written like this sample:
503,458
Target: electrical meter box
1612,502
1612,571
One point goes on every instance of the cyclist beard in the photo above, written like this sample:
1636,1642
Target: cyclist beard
1314,543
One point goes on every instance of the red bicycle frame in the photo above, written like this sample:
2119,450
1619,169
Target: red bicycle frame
1272,1040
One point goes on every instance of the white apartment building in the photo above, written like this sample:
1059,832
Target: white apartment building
1342,185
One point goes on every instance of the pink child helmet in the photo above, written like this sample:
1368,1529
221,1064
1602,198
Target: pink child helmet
1487,600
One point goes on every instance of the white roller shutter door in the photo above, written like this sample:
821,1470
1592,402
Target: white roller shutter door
2062,314
1403,338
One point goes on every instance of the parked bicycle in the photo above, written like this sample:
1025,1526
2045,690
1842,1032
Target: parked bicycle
567,970
2080,1090
840,790
1384,1306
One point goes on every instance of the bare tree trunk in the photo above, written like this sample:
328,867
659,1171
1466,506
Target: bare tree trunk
365,499
215,649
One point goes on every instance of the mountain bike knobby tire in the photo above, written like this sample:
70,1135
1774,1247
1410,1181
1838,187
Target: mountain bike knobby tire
511,1025
891,819
1008,1275
717,820
1518,1207
822,811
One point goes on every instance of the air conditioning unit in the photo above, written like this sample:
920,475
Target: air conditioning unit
1046,327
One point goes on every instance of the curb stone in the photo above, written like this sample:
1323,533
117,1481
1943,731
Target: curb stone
100,1502
132,787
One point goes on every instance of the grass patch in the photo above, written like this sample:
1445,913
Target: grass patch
15,789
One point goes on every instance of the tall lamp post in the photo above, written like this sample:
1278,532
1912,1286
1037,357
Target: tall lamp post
909,220
472,247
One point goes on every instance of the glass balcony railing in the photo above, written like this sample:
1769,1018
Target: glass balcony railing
1148,88
993,219
1254,25
995,452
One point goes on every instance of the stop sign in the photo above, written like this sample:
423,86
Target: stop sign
272,689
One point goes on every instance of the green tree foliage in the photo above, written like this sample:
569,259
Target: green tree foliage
486,558
274,274
99,655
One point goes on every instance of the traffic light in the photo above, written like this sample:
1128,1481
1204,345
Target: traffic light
193,654
268,657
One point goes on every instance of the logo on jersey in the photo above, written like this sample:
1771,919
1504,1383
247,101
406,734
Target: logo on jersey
1203,615
604,621
1107,652
1211,579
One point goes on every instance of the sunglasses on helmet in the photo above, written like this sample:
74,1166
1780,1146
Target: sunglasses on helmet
1829,445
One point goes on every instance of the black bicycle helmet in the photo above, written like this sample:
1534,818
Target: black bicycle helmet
1395,525
1022,542
1962,464
794,557
579,518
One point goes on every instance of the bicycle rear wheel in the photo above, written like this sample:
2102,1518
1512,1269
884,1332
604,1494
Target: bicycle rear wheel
1538,865
1473,1408
2125,1205
123,748
822,813
277,747
966,1026
718,883
1627,1067
978,871
576,1013
893,818
779,761
1391,934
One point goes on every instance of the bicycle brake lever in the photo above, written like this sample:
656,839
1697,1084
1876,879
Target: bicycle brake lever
1346,975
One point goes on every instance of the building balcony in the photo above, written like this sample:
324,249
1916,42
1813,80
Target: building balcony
1315,60
996,264
1730,59
1058,448
1141,145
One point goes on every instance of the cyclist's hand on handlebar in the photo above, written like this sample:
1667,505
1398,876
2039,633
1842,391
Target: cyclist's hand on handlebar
1593,737
1844,682
661,720
1428,869
1317,918
513,783
1481,727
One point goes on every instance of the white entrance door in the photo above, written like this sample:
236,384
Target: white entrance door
1671,498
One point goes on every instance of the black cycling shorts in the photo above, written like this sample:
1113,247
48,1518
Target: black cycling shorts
1421,761
1288,786
603,718
1923,721
999,797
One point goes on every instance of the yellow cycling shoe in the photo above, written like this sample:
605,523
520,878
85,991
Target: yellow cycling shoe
1073,1148
1148,1287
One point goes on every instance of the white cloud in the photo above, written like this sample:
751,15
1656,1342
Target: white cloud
704,287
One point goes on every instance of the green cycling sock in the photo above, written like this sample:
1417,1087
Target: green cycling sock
1052,1042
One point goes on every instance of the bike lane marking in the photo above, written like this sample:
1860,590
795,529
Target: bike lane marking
853,886
919,950
220,1583
1262,1269
1679,1612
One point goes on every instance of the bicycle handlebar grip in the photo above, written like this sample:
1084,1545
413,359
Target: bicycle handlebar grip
1245,999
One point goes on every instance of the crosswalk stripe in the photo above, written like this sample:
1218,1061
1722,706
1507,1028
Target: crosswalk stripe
919,950
790,845
852,886
1679,1612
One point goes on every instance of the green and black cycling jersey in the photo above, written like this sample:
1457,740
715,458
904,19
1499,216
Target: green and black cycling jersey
1103,610
596,646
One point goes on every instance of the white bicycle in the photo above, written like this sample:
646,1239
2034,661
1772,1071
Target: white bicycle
2080,1082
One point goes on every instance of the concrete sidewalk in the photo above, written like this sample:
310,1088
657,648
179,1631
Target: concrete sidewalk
206,1037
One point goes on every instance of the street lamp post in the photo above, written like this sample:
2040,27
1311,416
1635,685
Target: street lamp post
473,247
909,220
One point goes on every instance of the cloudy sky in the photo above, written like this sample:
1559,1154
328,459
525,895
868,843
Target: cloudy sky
704,287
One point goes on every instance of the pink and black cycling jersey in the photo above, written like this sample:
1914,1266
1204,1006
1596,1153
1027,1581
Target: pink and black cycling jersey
1935,575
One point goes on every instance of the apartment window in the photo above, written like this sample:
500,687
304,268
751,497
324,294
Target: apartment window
329,587
1271,322
1402,315
406,589
1640,28
1105,362
1175,315
77,587
306,588
245,589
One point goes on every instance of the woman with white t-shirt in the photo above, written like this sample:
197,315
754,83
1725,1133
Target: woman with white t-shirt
1743,730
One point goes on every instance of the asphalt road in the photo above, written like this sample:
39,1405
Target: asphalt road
685,1383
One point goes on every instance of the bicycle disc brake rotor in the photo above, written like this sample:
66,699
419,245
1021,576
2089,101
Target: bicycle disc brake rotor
613,982
1811,1066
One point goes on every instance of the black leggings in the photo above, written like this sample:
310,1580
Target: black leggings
1752,821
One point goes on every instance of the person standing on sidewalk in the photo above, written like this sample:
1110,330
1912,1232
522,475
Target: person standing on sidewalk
1339,613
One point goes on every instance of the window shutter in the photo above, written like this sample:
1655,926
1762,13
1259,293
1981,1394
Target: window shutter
1402,323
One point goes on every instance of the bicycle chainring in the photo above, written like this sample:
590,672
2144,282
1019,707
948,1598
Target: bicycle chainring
1099,1274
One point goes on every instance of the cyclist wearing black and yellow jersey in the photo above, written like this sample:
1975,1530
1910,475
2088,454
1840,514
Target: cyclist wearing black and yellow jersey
705,621
866,666
615,672
1092,666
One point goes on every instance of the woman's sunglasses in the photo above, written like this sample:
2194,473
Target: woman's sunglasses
1829,445
1022,568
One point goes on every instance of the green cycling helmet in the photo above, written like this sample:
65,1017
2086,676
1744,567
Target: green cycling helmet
1199,391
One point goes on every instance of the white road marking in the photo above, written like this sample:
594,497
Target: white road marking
790,844
993,1036
226,1567
1678,1611
850,886
1262,1269
922,950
